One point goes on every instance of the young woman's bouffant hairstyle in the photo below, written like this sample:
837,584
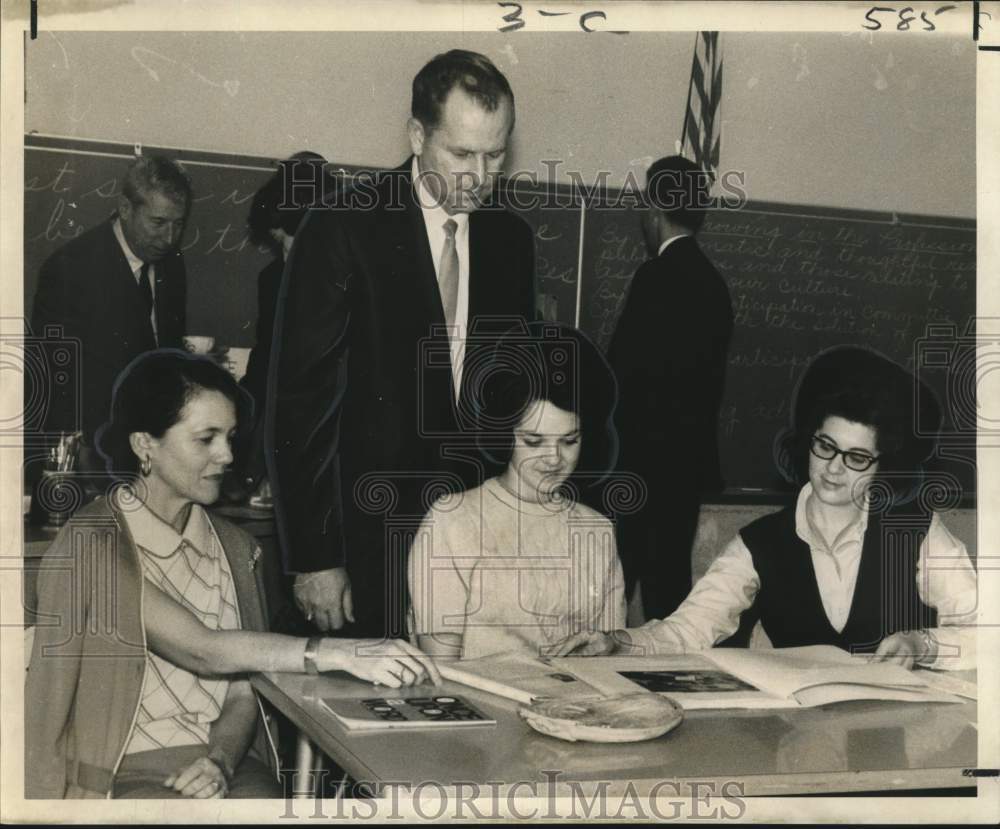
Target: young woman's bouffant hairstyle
863,386
548,361
150,395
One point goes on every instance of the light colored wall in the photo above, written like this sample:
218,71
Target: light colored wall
841,120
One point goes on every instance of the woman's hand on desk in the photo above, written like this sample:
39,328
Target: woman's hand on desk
585,643
203,778
393,662
910,647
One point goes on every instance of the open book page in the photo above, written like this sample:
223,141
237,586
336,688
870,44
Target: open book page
737,678
845,691
519,677
951,684
785,671
691,680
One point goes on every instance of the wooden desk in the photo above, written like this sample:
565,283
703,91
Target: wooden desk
847,747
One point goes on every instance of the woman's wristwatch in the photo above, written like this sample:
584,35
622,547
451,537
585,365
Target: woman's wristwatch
309,655
930,647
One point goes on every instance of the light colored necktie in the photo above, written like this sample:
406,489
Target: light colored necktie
448,273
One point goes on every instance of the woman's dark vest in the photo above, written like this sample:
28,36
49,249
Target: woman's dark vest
789,605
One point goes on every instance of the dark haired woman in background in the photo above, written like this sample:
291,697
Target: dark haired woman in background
816,572
517,563
137,685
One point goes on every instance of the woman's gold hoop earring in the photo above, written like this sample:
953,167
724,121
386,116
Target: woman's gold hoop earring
145,467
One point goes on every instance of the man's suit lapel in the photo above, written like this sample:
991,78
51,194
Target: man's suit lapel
124,291
420,299
481,265
412,249
170,299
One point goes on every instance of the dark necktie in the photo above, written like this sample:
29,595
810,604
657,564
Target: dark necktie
146,288
448,278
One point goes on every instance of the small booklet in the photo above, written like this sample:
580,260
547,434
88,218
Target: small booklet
380,713
519,677
739,678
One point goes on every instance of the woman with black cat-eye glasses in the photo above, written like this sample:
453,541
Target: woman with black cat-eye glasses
848,564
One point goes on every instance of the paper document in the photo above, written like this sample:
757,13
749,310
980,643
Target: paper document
740,678
518,677
404,711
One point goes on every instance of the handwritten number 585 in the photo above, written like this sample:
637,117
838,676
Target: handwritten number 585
905,15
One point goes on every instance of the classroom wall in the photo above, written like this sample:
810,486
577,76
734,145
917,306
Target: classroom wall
843,120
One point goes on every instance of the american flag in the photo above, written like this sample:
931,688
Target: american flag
702,117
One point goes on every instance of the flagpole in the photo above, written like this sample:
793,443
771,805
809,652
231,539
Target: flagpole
687,106
718,115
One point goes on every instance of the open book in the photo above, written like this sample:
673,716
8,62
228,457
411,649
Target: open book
779,678
717,678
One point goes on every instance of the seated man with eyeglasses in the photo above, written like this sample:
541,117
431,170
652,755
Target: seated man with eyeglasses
859,561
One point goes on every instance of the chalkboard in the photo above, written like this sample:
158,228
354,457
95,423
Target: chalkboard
557,253
71,186
802,279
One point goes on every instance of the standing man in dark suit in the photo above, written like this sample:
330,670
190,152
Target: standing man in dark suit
370,344
120,288
669,355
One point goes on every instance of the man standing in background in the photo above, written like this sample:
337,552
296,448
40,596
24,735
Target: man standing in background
414,257
120,288
669,355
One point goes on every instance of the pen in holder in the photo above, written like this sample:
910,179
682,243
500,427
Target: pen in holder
58,494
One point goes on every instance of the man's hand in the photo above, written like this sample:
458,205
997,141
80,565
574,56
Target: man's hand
203,778
585,643
909,647
325,598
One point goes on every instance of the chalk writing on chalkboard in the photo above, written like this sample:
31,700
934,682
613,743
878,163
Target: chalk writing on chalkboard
801,280
68,192
614,251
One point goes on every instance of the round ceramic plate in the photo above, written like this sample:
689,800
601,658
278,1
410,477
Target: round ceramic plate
623,719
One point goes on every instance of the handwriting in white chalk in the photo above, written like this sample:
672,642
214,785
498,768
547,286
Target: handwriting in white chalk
147,58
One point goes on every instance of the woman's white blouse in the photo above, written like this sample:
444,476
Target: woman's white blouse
945,578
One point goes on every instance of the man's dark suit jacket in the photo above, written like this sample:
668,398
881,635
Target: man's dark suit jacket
88,288
359,386
250,450
669,355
